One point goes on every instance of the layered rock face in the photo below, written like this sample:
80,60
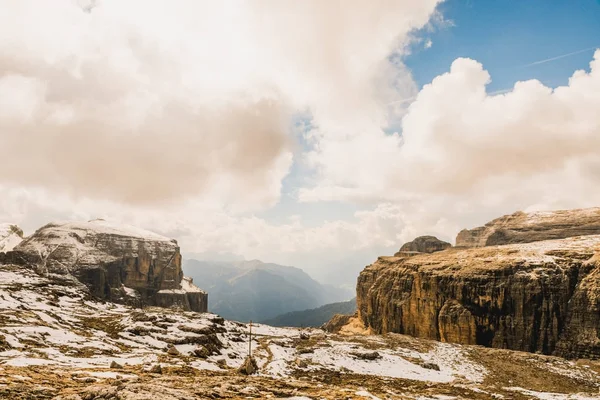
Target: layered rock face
539,297
10,236
423,244
523,227
117,263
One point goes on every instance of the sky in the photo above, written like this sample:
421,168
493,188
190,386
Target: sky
319,134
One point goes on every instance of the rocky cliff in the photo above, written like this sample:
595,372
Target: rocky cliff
10,236
423,244
539,297
117,263
523,227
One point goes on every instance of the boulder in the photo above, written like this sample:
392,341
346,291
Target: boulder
249,367
116,262
537,297
422,244
522,227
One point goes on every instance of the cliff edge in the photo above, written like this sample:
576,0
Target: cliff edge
542,296
116,262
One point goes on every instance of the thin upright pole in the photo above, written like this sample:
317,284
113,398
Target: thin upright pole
250,341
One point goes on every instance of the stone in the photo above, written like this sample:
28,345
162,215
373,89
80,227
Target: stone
370,356
117,263
522,227
300,363
249,367
156,369
542,296
423,244
172,351
201,352
115,365
430,365
304,336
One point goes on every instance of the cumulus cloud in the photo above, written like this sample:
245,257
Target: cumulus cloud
457,140
144,102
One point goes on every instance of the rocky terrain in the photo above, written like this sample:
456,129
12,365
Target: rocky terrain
10,236
59,342
423,244
523,227
537,296
116,263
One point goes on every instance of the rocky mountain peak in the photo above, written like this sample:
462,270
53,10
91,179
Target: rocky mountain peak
423,244
522,227
116,262
10,236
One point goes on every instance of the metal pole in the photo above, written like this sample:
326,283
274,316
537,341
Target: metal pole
250,341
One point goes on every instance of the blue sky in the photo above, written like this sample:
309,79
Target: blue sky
506,36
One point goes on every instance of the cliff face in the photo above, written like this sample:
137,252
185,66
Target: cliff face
423,244
542,296
523,227
10,236
117,263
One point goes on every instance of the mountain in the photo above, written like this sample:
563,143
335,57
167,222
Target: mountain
10,236
116,262
314,317
253,290
513,288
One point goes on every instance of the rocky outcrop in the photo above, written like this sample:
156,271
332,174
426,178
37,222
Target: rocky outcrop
117,263
422,244
537,297
335,324
523,227
10,236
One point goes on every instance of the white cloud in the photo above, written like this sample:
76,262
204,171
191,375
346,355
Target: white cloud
428,44
152,101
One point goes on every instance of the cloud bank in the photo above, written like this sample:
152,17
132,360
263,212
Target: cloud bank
148,102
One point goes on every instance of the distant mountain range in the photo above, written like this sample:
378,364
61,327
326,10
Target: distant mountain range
314,317
253,290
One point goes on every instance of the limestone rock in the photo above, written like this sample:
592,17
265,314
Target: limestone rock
423,244
523,227
116,263
10,236
335,324
156,369
172,351
249,367
537,297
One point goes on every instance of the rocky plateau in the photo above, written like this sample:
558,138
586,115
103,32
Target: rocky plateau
529,282
116,263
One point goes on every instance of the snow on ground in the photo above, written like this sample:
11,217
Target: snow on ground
43,322
551,396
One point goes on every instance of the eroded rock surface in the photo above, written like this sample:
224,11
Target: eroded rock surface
523,227
10,236
116,263
423,244
537,297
